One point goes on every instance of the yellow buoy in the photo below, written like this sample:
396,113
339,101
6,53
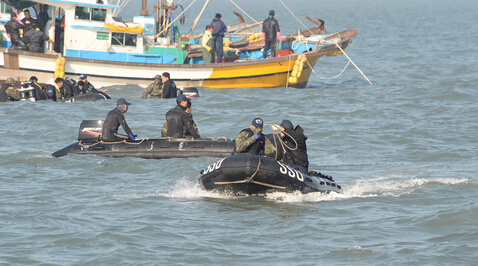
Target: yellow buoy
58,61
292,80
296,68
62,61
62,74
57,68
293,74
62,69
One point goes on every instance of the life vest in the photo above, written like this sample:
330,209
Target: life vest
256,147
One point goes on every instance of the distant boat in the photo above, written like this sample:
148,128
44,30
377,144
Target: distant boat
111,52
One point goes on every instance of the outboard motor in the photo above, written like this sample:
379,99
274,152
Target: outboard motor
189,92
27,92
90,130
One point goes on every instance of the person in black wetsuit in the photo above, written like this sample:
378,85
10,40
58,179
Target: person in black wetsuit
293,154
13,28
270,30
179,122
169,87
66,89
39,93
113,120
29,23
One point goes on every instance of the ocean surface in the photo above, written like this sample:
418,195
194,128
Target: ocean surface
405,150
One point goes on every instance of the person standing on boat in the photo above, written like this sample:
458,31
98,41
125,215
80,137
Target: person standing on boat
66,90
169,87
29,23
270,29
294,150
218,30
13,28
87,87
208,46
155,89
178,120
251,140
113,120
33,38
8,92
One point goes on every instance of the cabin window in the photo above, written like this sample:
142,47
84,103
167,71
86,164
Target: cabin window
123,39
5,8
90,14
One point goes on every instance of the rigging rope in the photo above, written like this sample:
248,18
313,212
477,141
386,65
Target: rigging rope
244,11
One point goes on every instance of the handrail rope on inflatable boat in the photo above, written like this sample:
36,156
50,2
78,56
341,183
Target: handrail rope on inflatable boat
250,179
221,137
111,142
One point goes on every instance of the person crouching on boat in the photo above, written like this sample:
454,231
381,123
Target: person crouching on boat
251,140
270,29
87,86
113,120
294,150
178,120
66,89
208,51
164,130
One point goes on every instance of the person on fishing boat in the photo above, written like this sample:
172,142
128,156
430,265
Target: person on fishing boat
113,120
33,39
169,87
218,30
179,123
208,50
155,89
8,91
251,140
294,150
13,28
164,130
87,86
270,30
29,23
66,89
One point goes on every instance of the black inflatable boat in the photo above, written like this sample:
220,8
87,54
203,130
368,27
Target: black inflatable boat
252,174
94,96
89,143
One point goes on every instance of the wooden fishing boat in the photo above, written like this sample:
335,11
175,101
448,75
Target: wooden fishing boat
117,55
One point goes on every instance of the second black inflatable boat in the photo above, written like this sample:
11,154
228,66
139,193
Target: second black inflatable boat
89,143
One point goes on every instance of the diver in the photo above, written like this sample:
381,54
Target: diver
251,140
292,148
87,87
179,122
113,120
66,89
13,28
8,92
39,93
33,39
164,130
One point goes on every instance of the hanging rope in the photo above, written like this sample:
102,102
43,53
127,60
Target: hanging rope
327,78
112,142
244,11
352,62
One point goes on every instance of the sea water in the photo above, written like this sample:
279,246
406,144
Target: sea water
404,149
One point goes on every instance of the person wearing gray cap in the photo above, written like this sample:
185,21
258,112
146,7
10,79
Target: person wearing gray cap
113,120
270,30
155,89
251,140
294,152
178,120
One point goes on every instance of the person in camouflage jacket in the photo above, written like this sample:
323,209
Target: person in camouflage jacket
251,140
155,89
8,92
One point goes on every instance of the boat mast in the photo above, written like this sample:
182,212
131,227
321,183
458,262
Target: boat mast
198,17
144,8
